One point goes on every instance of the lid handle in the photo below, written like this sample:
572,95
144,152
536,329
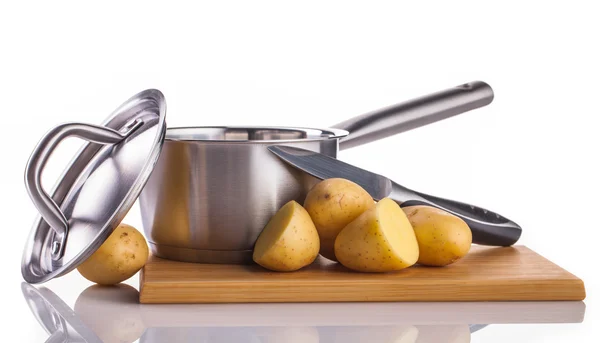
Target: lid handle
47,207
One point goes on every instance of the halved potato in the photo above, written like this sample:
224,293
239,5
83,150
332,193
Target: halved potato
379,240
289,241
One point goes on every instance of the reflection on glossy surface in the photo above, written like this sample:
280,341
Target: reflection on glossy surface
291,334
359,334
445,333
113,314
56,317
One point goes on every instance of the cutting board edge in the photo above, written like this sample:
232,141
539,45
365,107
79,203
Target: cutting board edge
543,290
560,286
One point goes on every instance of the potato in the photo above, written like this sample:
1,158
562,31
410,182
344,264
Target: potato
332,204
289,241
443,237
379,240
122,255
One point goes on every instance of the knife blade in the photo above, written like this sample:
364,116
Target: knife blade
488,228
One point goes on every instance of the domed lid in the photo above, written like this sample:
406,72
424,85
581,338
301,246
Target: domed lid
96,190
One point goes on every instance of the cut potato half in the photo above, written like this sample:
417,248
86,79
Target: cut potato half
379,240
289,241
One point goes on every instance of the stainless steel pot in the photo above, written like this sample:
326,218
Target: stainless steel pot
214,189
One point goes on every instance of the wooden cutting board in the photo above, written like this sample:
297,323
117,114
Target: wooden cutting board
485,274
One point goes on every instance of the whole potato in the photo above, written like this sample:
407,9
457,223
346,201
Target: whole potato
332,204
379,240
289,241
122,255
443,237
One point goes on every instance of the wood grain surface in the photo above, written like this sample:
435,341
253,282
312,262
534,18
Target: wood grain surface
485,274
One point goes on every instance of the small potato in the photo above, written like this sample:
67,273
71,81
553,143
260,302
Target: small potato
443,237
332,204
289,241
122,255
379,240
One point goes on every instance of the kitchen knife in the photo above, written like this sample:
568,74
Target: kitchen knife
488,228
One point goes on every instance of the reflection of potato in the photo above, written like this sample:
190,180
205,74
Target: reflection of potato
444,333
298,334
379,240
375,334
332,204
199,335
118,258
113,313
443,237
289,241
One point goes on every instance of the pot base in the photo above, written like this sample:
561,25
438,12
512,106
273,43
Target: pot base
201,256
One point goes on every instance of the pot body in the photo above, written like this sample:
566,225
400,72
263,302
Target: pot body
207,199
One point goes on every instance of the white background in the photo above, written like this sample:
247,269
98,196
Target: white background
532,155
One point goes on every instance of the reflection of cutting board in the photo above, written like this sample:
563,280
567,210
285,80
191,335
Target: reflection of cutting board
485,274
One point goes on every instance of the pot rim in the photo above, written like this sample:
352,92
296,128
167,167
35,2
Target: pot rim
313,134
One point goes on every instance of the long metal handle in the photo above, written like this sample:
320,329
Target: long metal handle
415,113
47,207
488,228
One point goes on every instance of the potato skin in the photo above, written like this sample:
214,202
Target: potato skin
443,237
122,255
332,204
289,241
379,240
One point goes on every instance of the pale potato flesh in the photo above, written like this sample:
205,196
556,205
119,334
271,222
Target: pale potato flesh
289,241
332,204
122,255
379,240
443,237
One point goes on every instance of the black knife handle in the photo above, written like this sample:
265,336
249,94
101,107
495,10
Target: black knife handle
487,227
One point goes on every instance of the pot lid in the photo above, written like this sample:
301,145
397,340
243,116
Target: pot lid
97,188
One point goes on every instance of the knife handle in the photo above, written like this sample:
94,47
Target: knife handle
414,113
487,227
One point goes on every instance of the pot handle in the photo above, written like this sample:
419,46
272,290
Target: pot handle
414,113
47,207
